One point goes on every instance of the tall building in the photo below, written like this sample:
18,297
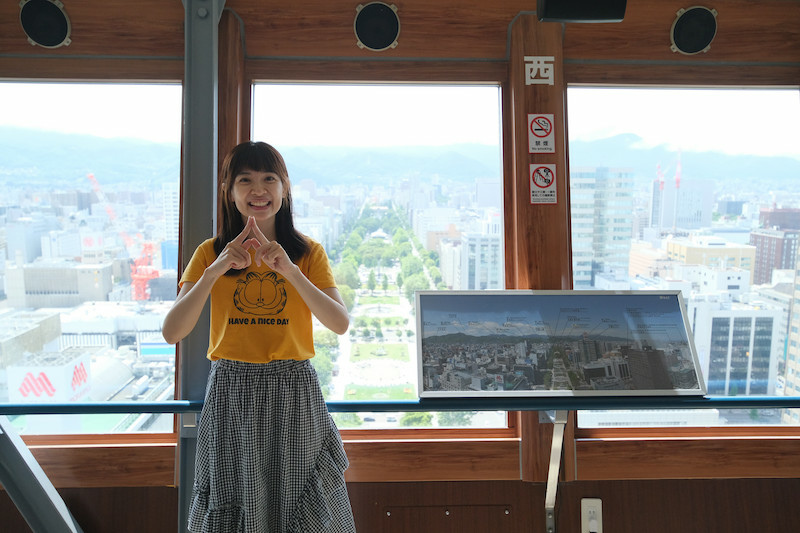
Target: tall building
482,262
171,204
681,204
601,204
735,345
775,249
792,374
24,238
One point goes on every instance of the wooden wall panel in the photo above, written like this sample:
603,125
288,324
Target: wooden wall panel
676,458
428,29
152,28
745,30
108,510
691,506
137,465
458,459
757,42
666,506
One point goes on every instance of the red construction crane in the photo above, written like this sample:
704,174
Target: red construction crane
142,270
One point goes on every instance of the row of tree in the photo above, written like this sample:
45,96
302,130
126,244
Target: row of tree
381,237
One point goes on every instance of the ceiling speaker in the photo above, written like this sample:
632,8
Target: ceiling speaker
45,23
693,30
580,10
377,26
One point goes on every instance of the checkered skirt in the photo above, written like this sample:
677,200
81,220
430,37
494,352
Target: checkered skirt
269,456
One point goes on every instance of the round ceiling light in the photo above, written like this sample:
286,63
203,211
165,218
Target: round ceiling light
693,30
377,26
45,23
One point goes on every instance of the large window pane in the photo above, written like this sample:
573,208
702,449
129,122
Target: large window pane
402,186
696,190
88,248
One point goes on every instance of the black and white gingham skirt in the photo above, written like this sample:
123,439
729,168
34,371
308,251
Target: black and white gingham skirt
269,456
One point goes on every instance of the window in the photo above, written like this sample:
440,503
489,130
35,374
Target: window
402,185
88,249
704,202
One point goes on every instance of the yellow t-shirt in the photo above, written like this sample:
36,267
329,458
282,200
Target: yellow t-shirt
258,316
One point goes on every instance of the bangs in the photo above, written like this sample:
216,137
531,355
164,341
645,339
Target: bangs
259,157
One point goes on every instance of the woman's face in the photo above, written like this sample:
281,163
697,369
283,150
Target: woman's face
257,193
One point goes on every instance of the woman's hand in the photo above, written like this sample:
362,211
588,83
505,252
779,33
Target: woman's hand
236,253
271,253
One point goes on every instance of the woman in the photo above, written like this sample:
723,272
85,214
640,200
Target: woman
269,457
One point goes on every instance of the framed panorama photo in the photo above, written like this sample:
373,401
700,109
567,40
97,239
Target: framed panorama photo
555,343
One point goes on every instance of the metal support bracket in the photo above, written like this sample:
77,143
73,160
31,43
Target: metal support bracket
559,423
29,488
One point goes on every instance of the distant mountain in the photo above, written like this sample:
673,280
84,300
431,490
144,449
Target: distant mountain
628,151
343,165
62,160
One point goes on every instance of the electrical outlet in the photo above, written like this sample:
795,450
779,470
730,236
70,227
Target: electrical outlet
591,515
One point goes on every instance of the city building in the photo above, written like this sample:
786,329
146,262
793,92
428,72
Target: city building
57,284
792,374
712,252
775,249
601,204
681,204
779,218
735,344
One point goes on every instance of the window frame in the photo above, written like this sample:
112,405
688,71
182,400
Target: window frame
685,452
589,454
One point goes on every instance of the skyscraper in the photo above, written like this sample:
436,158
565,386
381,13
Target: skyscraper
601,204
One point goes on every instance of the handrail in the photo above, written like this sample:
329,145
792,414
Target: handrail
571,403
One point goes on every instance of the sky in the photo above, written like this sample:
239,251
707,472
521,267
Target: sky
757,122
760,122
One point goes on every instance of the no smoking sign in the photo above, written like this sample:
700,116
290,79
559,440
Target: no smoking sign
540,134
543,184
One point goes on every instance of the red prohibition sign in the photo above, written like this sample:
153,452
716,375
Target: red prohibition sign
541,126
543,177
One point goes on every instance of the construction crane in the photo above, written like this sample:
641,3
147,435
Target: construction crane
142,269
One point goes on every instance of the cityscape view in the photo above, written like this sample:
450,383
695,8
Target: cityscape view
89,249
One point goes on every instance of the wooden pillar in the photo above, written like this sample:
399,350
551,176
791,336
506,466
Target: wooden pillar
234,89
538,248
233,92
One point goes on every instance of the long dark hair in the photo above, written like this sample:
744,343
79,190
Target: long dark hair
260,157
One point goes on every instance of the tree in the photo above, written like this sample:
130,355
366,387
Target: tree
348,296
416,419
417,282
355,240
326,338
346,273
372,282
404,249
389,256
347,420
411,265
400,236
436,274
324,366
455,418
